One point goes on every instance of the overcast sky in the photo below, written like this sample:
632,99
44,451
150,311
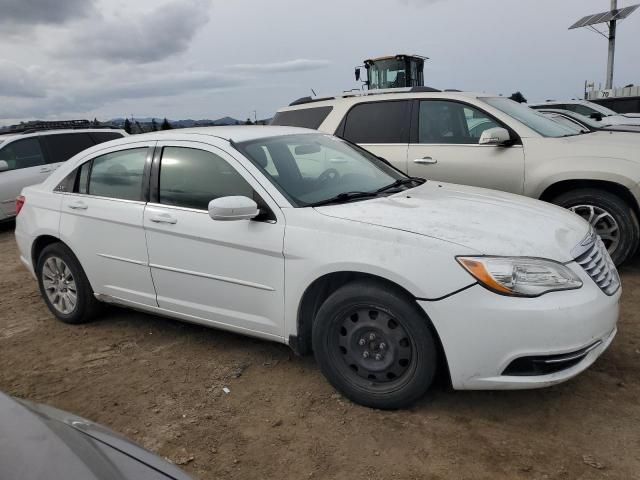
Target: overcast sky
211,58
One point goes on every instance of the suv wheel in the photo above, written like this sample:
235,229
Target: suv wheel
64,285
611,217
375,346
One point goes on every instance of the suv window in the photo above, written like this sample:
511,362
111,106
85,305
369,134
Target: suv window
63,146
306,117
451,123
22,154
378,122
99,137
191,178
581,109
115,175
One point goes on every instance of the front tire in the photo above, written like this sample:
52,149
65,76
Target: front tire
611,217
64,285
375,346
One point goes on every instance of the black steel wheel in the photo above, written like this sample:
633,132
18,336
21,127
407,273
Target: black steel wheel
375,346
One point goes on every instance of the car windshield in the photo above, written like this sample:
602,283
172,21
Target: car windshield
607,112
529,117
314,168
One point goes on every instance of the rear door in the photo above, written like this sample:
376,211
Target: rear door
27,166
101,221
380,127
445,147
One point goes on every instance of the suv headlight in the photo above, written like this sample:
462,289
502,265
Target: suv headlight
520,276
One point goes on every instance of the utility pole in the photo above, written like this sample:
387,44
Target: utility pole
612,47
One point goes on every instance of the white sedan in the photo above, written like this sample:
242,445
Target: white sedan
302,238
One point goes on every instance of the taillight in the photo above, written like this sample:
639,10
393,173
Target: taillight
19,203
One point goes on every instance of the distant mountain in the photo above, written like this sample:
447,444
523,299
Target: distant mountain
187,123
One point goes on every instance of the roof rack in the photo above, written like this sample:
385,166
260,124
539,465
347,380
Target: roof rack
364,93
37,126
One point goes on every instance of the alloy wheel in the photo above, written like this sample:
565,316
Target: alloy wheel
59,285
602,222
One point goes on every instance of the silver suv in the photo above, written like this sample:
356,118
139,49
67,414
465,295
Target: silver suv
29,157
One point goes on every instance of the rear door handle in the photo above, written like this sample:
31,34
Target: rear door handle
78,205
45,169
425,161
163,218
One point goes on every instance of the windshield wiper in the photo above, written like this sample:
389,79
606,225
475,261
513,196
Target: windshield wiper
343,197
400,182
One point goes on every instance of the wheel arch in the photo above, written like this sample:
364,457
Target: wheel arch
322,287
564,186
40,243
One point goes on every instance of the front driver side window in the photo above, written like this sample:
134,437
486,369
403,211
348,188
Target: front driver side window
447,122
191,178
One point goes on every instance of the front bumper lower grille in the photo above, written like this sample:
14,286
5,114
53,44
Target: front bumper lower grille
596,261
547,364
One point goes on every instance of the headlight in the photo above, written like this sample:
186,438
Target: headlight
520,276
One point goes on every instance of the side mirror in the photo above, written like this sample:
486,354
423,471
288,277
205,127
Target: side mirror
596,116
4,166
233,208
357,74
494,136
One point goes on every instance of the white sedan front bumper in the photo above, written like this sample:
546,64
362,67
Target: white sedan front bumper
482,333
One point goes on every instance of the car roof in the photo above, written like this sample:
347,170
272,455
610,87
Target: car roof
384,95
236,133
5,136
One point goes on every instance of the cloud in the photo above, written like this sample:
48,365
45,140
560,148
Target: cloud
165,31
16,81
297,65
15,13
63,99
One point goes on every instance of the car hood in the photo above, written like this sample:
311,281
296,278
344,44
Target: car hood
486,221
623,119
605,144
40,442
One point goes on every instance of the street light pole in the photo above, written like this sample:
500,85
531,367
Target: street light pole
612,47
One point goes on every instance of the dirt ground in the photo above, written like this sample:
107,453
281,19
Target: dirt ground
159,382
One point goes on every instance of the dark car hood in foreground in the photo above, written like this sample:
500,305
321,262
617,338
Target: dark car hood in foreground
40,442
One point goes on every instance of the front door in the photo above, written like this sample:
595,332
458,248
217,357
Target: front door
447,148
27,166
227,273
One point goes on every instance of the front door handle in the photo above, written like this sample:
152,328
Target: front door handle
78,205
425,161
163,218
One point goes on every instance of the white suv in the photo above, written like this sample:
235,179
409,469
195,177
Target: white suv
492,142
29,157
302,238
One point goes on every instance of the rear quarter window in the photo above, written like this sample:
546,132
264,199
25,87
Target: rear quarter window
63,146
305,117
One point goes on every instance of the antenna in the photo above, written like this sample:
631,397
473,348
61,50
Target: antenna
314,92
611,18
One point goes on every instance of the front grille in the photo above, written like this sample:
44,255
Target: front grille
598,264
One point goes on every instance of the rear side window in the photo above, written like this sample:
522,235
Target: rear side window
63,146
378,122
305,118
191,178
99,137
115,175
22,154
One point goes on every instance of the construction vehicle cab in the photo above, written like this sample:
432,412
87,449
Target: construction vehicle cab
396,71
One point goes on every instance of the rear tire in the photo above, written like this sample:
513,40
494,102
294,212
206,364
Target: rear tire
611,217
64,285
375,346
